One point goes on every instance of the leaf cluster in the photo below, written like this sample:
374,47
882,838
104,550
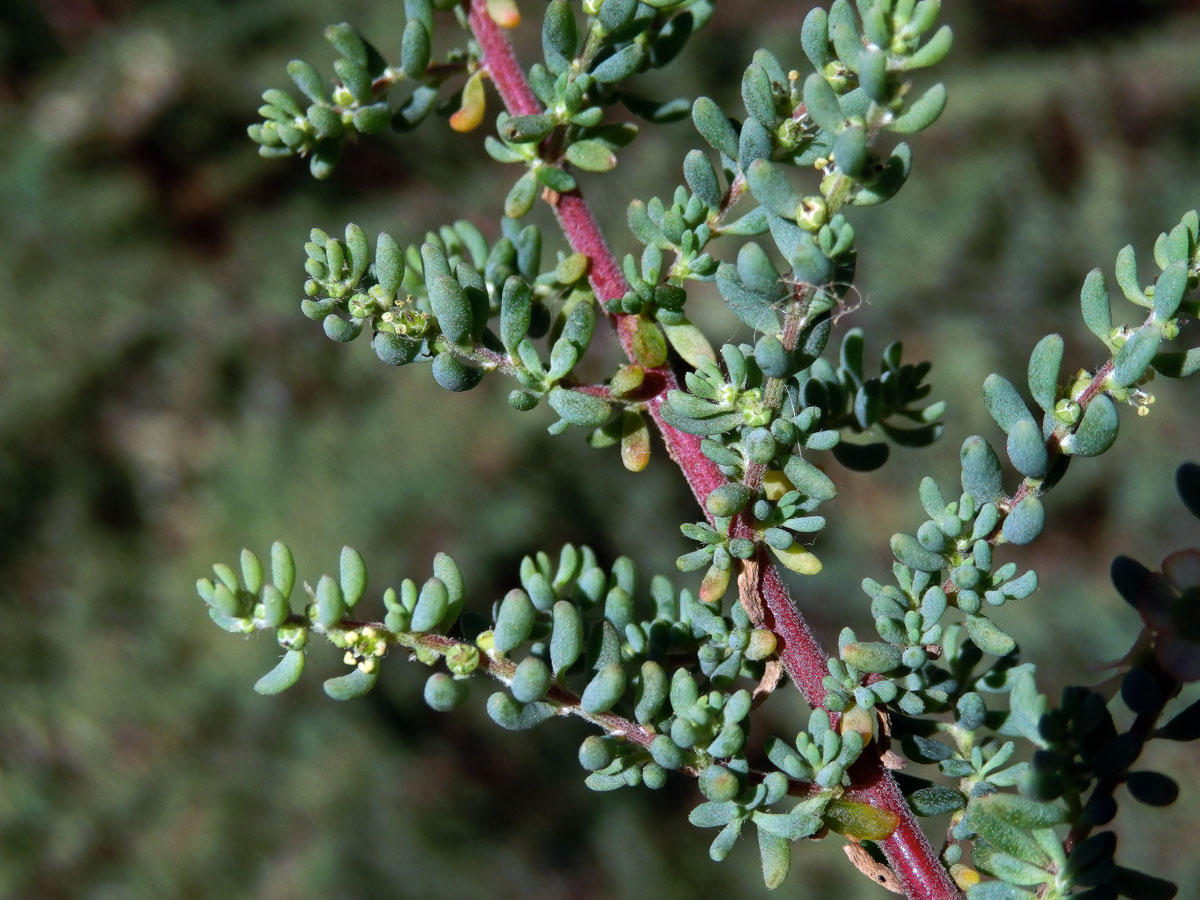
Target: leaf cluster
357,101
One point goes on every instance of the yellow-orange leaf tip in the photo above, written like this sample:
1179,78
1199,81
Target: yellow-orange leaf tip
504,13
470,113
635,441
964,876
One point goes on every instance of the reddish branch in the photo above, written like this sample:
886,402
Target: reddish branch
910,854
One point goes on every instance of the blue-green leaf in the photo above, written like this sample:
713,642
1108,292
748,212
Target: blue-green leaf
444,693
1096,431
286,673
922,112
1134,357
604,690
714,127
821,103
981,474
514,620
351,685
1097,312
771,188
1127,277
1025,521
1003,402
776,855
988,637
1026,449
513,715
1169,290
814,37
1044,364
577,408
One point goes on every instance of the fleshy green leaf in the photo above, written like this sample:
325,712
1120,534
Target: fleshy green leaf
353,684
577,408
981,475
513,715
909,552
514,621
649,344
936,800
414,49
331,605
620,65
814,37
714,127
604,690
922,112
1024,522
308,80
1027,450
689,342
932,52
431,606
771,188
1003,402
283,568
988,637
776,855
352,575
1177,363
809,480
566,636
1127,277
1009,868
1097,313
1134,357
700,176
1044,364
444,693
451,308
591,156
821,103
1097,430
1169,290
1018,811
521,196
286,673
874,656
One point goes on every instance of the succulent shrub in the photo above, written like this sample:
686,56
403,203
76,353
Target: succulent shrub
936,713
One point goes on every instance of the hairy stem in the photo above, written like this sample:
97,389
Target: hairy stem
909,852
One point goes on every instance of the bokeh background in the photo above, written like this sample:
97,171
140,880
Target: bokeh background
163,404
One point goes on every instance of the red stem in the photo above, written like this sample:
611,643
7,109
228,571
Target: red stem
909,852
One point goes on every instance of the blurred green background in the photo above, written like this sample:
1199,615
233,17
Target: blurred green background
164,404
